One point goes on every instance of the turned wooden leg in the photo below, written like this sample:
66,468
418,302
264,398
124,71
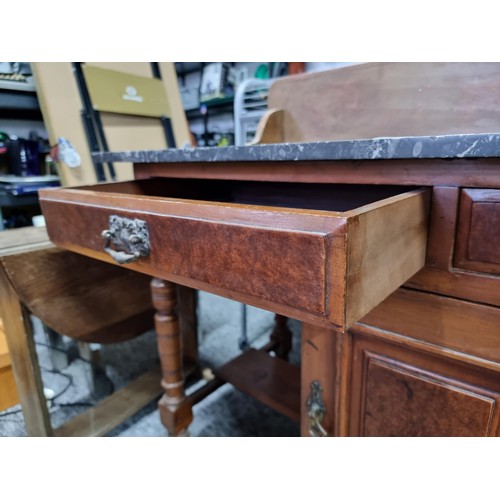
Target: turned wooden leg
186,310
175,410
283,336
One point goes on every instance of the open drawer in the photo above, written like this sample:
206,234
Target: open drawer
323,253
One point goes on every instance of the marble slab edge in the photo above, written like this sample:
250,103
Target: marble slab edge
383,148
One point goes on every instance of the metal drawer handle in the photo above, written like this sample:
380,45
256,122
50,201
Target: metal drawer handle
316,410
130,237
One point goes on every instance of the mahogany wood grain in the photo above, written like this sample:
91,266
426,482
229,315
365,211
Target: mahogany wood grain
175,410
480,173
292,204
478,238
188,322
399,392
205,390
484,244
389,100
343,355
440,275
184,246
319,361
237,296
272,381
452,325
483,288
442,227
266,216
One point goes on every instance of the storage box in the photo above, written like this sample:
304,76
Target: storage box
214,81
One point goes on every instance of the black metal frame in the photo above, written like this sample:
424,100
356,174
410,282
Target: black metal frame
94,130
92,125
165,121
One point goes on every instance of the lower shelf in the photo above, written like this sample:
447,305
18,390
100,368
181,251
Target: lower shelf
115,409
271,381
122,404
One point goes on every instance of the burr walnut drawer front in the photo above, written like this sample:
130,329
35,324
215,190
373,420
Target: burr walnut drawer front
330,252
478,235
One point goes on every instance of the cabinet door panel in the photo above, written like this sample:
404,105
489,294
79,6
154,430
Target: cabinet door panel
398,392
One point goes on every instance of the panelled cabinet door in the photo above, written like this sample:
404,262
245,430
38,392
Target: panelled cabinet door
399,392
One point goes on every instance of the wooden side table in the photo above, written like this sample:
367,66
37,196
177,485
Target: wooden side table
86,300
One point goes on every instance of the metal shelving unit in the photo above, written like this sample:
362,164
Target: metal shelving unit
19,100
250,105
206,110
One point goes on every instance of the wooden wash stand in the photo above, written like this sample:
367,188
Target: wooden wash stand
372,215
104,304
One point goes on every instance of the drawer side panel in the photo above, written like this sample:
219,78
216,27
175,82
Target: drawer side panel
386,246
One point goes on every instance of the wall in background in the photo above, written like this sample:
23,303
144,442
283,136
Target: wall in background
323,66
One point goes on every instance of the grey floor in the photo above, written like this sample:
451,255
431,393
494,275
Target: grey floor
226,412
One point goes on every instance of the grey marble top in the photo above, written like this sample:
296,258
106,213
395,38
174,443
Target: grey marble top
380,148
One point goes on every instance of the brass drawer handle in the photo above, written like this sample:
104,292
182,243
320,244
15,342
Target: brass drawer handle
316,410
130,237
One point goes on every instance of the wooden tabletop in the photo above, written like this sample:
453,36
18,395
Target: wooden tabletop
24,239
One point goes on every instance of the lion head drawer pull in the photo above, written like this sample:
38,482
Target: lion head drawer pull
130,238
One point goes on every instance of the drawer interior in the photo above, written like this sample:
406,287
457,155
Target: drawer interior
331,197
